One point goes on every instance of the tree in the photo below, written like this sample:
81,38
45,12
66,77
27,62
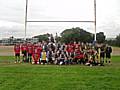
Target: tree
111,42
43,37
118,40
100,37
76,34
115,41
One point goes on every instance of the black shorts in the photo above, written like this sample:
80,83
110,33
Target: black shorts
62,60
102,55
108,55
72,55
17,54
24,53
44,61
29,54
49,59
75,59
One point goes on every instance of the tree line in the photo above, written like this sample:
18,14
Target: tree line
114,42
79,35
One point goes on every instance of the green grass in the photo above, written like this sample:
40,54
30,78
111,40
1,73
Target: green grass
54,77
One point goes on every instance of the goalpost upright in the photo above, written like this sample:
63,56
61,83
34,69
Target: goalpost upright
94,21
95,38
26,13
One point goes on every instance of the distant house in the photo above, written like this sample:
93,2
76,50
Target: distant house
6,41
12,41
33,40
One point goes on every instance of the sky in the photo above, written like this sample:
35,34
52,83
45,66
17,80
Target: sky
12,16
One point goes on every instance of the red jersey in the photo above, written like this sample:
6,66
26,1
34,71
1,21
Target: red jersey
69,49
17,49
36,53
72,47
30,48
36,49
79,55
36,57
24,47
39,49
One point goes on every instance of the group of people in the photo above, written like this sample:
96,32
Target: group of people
63,54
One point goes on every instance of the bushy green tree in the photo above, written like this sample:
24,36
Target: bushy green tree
76,34
118,40
100,37
43,37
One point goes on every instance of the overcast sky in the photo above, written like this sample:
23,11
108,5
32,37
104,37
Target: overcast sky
12,13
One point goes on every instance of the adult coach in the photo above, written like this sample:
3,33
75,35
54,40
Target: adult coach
108,53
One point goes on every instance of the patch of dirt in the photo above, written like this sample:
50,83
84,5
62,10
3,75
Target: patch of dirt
116,51
6,50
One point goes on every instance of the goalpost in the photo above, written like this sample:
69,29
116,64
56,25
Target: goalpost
94,21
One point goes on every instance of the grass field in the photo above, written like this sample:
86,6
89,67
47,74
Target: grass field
54,77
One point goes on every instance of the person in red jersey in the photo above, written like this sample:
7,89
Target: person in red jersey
24,49
70,52
39,48
81,57
17,53
30,52
68,49
73,45
76,56
77,45
36,54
